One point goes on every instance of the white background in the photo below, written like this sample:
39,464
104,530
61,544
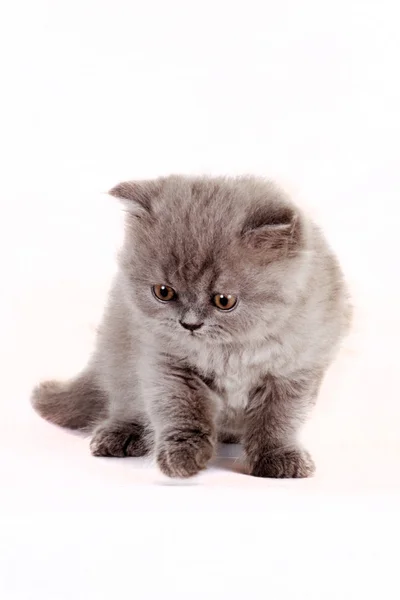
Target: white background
95,91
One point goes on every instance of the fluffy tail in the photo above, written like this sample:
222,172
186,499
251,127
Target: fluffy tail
76,404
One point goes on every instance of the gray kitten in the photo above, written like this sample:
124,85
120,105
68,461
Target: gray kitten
226,311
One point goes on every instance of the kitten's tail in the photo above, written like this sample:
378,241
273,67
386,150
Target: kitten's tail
76,404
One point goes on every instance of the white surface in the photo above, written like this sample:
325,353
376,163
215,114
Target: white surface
95,92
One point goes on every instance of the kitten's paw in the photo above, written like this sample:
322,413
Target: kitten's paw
283,463
184,453
119,441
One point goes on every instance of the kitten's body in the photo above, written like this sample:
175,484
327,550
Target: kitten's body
250,374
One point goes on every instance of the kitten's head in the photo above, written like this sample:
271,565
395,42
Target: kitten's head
211,260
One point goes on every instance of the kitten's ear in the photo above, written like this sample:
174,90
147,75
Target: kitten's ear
274,228
137,196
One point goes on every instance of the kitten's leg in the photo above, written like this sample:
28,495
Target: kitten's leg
274,414
183,411
121,438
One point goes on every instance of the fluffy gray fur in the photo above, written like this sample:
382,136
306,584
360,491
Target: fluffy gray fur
174,377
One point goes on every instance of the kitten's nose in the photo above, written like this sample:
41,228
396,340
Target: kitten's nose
191,326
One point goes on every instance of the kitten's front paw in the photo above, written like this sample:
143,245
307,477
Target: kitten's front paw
184,453
119,441
283,463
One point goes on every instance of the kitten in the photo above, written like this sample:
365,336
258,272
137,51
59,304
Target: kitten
226,311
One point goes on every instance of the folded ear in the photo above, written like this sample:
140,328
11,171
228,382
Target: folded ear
137,196
273,227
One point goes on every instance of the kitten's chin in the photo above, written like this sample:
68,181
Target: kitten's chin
191,340
195,339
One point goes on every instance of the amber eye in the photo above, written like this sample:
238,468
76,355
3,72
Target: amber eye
164,293
224,301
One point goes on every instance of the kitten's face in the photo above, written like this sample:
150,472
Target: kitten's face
208,260
210,299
